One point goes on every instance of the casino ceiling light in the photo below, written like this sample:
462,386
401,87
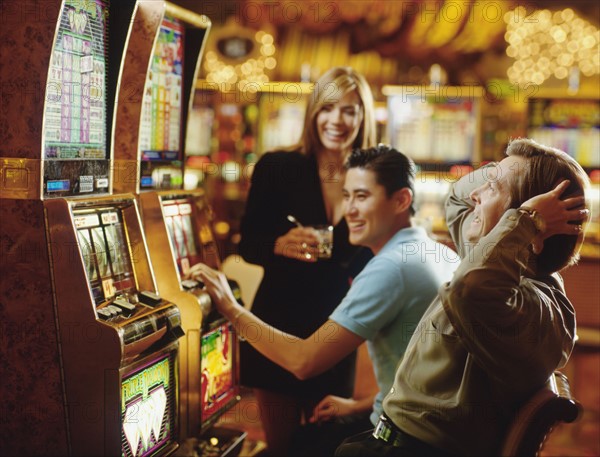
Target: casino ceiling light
239,57
546,43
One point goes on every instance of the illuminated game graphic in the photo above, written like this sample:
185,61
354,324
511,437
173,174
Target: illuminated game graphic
218,383
178,218
75,108
105,252
148,407
572,125
75,135
435,127
160,127
279,117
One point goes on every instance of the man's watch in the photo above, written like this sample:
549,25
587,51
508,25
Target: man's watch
536,218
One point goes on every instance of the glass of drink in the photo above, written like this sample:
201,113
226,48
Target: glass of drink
325,245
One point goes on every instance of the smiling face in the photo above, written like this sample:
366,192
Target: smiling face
338,122
369,213
493,198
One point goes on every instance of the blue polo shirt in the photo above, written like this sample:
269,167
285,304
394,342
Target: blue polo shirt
389,296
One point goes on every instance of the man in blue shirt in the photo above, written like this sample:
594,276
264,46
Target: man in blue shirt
386,300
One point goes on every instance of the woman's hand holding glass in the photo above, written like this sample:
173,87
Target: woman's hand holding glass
300,243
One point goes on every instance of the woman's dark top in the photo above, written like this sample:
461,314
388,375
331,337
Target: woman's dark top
294,296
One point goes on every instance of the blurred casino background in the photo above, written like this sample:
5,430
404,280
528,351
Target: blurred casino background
453,81
492,69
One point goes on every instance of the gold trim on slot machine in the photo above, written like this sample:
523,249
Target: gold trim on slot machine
19,178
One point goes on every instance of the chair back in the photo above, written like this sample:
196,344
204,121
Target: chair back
534,421
247,275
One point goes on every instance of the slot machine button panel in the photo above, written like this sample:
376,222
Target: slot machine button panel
104,314
115,310
149,298
126,308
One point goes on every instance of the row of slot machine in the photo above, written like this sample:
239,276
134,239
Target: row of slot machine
107,347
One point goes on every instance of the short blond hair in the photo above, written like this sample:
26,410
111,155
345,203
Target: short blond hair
545,167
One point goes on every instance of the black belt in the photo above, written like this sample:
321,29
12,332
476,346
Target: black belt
386,431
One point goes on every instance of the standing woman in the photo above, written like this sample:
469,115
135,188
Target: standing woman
299,292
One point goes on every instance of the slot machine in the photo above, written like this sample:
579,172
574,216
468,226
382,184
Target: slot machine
91,349
120,339
177,226
176,221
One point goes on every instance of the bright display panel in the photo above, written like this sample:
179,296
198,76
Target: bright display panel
218,377
74,136
180,225
148,407
161,118
434,128
571,125
106,255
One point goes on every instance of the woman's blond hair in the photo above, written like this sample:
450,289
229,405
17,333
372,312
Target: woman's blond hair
330,87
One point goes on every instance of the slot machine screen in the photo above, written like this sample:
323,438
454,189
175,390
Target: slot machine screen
160,125
436,128
74,130
279,117
572,125
218,377
180,224
148,406
103,245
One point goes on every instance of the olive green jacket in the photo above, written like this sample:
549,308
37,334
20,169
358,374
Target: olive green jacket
490,339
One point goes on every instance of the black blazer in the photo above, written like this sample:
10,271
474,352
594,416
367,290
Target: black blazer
294,296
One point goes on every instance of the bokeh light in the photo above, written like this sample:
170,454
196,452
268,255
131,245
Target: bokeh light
545,44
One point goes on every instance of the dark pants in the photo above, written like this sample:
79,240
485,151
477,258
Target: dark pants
365,445
323,439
